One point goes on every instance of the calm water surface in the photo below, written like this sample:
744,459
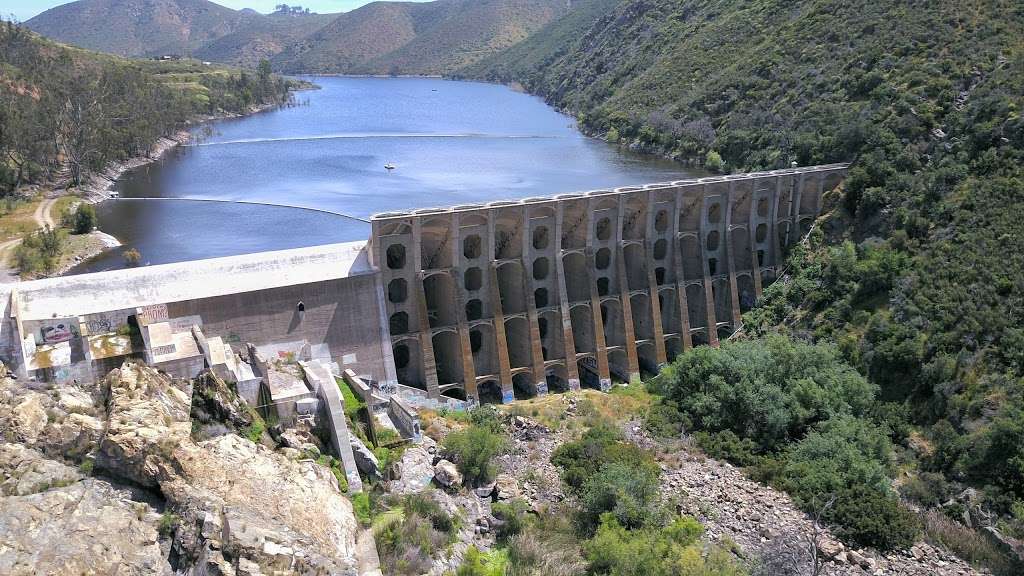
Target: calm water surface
451,143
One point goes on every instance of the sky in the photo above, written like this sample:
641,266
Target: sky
22,10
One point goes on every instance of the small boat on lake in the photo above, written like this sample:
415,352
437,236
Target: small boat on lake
389,166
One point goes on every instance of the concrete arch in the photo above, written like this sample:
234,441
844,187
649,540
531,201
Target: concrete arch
673,347
690,251
541,237
746,291
611,316
395,256
586,367
484,348
660,249
603,228
439,292
510,287
395,229
699,337
576,277
582,320
472,246
489,391
636,266
398,323
696,304
508,241
541,268
398,290
742,197
647,358
661,221
640,309
723,299
604,284
447,357
574,225
557,378
742,258
618,365
434,248
518,341
689,212
761,233
551,335
668,305
634,221
474,309
603,258
541,297
409,363
472,279
523,386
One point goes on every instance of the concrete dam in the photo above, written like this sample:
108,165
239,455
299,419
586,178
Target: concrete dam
473,303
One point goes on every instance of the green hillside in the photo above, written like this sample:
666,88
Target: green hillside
68,108
915,275
417,38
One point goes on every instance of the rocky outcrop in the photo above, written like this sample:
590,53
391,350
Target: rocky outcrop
366,462
213,403
229,506
447,475
148,420
54,521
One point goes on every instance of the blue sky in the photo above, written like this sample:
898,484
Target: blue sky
24,9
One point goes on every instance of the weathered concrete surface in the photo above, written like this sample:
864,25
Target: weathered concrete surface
323,382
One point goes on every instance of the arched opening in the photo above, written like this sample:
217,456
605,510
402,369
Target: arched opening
712,242
447,357
603,229
471,246
661,220
472,279
762,207
659,275
692,263
456,392
741,249
510,286
636,270
673,347
398,290
712,266
640,309
576,277
715,213
541,268
518,338
540,297
582,328
508,241
551,338
699,338
660,249
723,300
408,363
557,379
540,238
611,317
489,391
436,251
398,323
761,232
603,286
668,304
647,359
523,386
724,332
439,292
747,294
697,304
586,367
574,231
396,256
483,346
618,365
602,258
474,310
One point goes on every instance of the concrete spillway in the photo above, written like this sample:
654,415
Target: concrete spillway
250,203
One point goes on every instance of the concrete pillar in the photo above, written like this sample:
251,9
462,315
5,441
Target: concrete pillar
571,370
426,341
466,347
627,308
600,348
536,349
504,366
652,283
730,257
677,264
709,295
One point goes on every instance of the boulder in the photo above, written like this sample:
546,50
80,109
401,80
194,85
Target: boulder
366,462
507,487
28,418
446,474
25,471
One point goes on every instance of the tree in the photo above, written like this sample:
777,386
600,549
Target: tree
473,449
85,219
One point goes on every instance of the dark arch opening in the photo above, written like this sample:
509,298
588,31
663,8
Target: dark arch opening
660,249
603,229
661,221
398,291
540,297
472,279
474,310
396,256
715,213
490,392
540,237
476,341
401,356
398,323
712,243
471,246
541,267
603,258
602,286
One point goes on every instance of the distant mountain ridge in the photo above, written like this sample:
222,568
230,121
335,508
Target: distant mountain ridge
379,38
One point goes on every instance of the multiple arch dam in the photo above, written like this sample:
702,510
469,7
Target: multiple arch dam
483,303
516,298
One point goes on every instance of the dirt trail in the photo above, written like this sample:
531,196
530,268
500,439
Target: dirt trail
43,216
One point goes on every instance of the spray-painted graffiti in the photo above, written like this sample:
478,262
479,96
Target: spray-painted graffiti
152,314
58,331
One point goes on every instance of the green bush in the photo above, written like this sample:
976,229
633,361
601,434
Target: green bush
869,517
411,532
601,444
625,491
477,563
512,516
473,450
361,507
726,445
85,218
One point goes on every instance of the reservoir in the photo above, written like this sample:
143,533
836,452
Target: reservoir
448,142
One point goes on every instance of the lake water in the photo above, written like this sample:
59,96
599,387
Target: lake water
451,143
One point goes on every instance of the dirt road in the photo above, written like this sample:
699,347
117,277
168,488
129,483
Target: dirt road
43,216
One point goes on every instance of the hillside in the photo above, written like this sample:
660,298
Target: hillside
381,37
914,276
417,38
140,27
